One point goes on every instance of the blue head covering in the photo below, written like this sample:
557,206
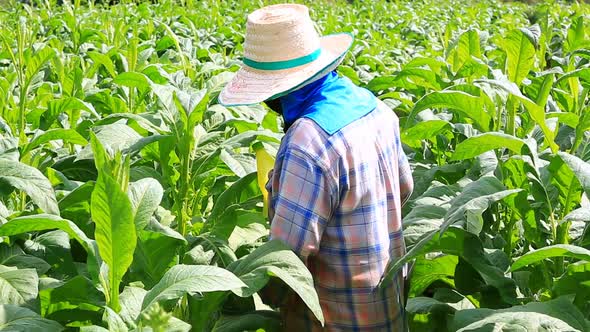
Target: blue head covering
332,102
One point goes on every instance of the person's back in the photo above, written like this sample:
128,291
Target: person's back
342,214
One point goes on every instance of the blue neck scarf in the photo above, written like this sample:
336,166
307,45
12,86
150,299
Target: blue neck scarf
332,102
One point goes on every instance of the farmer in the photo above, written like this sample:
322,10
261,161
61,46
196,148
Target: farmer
340,177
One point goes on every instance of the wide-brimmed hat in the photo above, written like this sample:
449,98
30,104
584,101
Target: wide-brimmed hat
282,52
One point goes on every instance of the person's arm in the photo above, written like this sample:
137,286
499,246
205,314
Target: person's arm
301,203
299,208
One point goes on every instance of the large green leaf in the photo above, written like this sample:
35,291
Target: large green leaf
475,198
466,104
67,135
424,130
422,219
426,271
42,222
275,259
19,319
36,61
580,168
31,181
576,282
114,321
536,111
557,250
269,321
156,252
422,305
132,80
145,195
576,35
463,48
223,211
476,145
14,256
131,300
554,315
115,229
18,286
54,247
191,279
77,293
519,46
456,241
113,137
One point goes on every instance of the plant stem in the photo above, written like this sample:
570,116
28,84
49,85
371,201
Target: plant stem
511,116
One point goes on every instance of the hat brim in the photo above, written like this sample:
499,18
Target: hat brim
251,86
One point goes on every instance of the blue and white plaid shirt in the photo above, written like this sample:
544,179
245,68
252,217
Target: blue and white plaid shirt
336,201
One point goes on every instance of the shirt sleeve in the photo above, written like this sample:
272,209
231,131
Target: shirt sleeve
300,203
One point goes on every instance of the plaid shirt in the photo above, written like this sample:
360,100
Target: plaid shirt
336,201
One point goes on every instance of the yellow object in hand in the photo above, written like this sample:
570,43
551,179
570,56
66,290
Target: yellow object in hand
264,164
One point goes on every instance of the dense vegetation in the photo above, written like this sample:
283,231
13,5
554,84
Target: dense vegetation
129,199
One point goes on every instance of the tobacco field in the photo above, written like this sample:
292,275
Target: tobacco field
130,200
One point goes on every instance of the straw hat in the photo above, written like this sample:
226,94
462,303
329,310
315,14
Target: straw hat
282,52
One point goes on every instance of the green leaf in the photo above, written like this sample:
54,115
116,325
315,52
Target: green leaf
475,198
18,286
100,59
217,82
456,241
583,74
204,308
54,247
19,319
37,61
42,222
115,229
554,315
425,130
93,328
275,259
520,53
576,35
422,219
580,168
31,181
536,111
78,291
145,195
66,105
464,103
267,320
191,279
426,271
575,281
240,164
557,250
228,202
462,49
14,256
113,137
114,321
476,145
223,254
156,252
67,135
422,305
132,80
131,299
